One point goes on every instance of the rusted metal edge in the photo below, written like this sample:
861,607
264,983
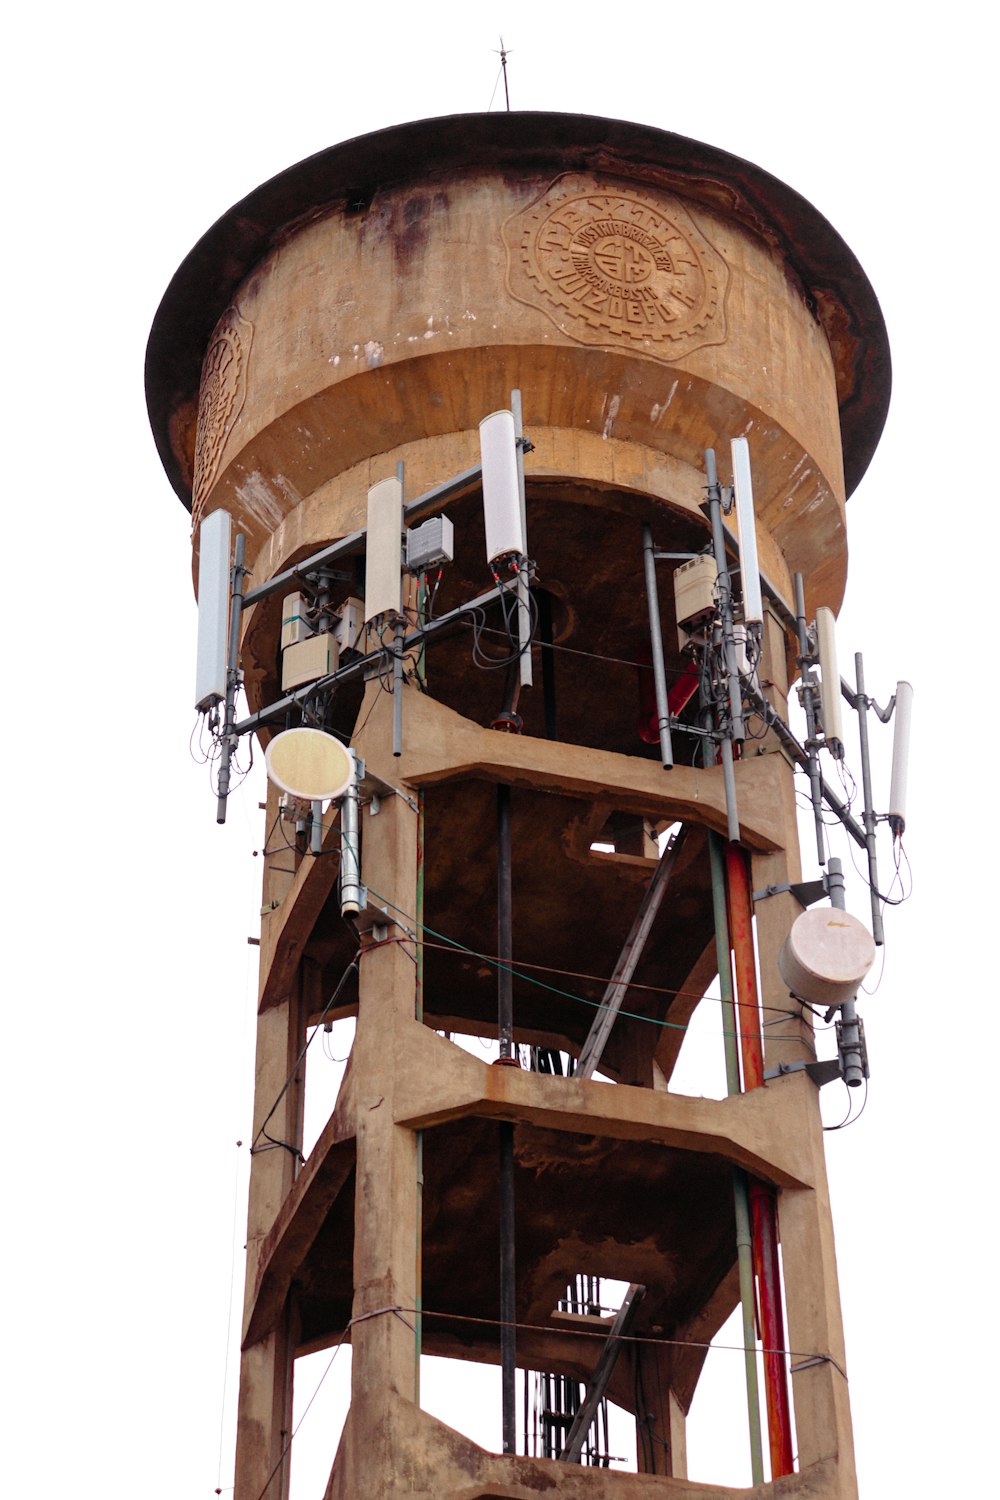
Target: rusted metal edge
346,176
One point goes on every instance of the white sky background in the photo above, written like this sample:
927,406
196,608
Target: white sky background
128,1044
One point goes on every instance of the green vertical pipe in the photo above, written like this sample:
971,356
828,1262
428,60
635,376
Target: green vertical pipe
741,1197
418,1009
418,1319
744,1252
418,1315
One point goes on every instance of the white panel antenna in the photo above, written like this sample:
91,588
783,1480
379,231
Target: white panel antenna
900,757
753,605
384,555
826,641
214,542
501,494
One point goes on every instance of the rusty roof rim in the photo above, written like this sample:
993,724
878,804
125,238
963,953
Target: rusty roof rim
203,285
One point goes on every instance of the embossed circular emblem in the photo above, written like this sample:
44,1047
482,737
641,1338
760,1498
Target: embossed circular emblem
223,391
610,263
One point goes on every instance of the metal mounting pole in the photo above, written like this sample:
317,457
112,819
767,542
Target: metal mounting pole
656,642
523,585
397,688
725,586
397,663
505,1029
801,759
505,980
736,728
861,704
508,1302
851,1052
232,674
350,850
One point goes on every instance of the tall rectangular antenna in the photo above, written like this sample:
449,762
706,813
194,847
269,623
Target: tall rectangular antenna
384,550
900,757
753,605
501,491
829,690
214,541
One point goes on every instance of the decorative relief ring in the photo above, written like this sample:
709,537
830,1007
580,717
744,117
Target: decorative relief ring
609,263
220,401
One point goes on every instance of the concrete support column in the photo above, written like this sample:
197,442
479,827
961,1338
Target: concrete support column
265,1408
386,1208
661,1423
815,1327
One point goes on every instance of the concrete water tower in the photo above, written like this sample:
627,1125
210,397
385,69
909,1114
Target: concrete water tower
650,298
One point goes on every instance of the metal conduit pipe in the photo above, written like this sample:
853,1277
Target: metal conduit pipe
861,704
764,1216
350,851
418,1009
851,1054
656,646
508,1307
505,1029
740,903
744,1242
809,704
505,979
764,1211
725,586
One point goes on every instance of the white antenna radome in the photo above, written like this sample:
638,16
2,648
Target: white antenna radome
309,765
384,550
826,955
826,643
501,493
753,604
214,542
900,757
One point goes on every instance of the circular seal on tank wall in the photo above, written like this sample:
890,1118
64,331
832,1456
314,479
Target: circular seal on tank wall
826,956
309,765
221,396
611,264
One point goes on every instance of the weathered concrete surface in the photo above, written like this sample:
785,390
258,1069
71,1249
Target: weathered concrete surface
650,297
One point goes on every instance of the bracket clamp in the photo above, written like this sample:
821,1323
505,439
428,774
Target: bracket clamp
806,892
820,1072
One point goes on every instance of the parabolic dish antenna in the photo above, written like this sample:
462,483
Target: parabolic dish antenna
309,765
826,955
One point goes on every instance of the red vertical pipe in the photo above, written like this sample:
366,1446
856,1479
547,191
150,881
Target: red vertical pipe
764,1220
763,1207
744,962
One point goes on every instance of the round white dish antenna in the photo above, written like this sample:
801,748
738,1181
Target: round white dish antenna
309,765
826,956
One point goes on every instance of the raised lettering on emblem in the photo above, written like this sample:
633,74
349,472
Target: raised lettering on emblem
609,264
